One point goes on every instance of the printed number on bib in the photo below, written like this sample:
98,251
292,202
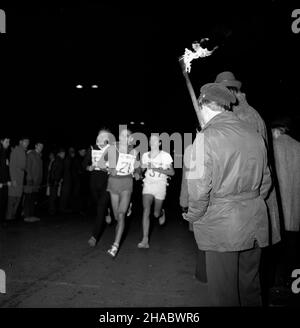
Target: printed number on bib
125,164
154,174
97,155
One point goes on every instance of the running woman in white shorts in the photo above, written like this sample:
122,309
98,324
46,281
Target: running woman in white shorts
158,165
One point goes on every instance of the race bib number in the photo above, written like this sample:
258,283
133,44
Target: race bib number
158,162
97,156
125,165
154,174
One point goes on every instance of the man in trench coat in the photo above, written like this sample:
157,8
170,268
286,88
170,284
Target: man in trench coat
228,180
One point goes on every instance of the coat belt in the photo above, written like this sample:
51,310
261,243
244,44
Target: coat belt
233,198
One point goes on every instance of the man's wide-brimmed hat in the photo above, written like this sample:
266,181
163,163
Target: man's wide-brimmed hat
217,92
228,79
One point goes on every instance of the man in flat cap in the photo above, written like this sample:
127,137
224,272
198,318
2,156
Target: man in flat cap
241,108
228,179
248,114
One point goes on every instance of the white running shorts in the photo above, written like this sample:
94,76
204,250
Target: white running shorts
157,189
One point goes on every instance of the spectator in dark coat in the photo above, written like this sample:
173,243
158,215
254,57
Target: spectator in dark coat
48,166
5,180
287,164
68,183
34,178
77,172
84,181
55,180
17,166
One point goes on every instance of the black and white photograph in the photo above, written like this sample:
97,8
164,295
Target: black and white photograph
150,158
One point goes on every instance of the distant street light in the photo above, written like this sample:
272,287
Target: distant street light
132,123
142,123
79,86
94,86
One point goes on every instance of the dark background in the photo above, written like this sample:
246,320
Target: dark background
131,52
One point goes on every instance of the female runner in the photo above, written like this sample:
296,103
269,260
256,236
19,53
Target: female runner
95,162
158,165
122,158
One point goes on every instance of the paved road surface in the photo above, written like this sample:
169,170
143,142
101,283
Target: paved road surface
49,264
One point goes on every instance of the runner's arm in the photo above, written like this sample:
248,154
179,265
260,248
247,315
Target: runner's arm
169,171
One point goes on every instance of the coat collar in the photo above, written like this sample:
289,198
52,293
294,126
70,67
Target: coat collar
222,117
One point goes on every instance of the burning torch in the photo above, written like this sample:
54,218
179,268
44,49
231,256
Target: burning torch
185,63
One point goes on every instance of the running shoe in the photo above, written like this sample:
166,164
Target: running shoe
92,242
113,250
143,244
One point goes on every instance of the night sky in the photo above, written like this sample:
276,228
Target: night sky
132,53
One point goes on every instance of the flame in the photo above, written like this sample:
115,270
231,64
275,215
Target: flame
198,52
